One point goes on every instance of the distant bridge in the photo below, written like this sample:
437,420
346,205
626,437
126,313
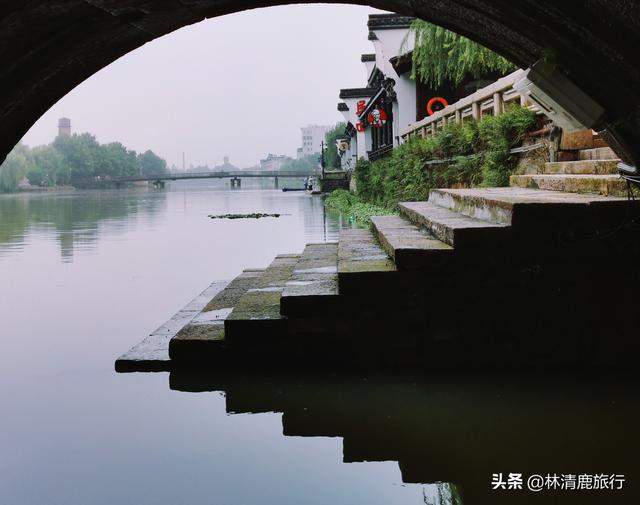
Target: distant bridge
236,176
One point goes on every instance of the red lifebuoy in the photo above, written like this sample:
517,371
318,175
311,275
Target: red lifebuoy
433,101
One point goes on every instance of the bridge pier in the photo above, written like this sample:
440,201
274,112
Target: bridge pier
275,182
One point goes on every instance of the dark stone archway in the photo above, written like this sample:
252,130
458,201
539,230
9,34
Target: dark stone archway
47,47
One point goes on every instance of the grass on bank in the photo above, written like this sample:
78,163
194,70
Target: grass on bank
354,208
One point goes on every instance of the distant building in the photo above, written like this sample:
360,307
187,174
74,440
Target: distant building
312,138
226,166
273,162
64,126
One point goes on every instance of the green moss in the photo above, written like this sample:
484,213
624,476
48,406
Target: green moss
476,153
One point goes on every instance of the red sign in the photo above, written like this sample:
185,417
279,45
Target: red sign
377,118
361,106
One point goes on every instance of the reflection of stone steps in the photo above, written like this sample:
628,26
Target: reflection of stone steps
446,428
442,285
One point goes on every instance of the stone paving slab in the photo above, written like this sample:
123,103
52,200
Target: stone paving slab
257,313
598,153
500,204
313,286
205,332
582,167
152,354
410,247
606,185
457,230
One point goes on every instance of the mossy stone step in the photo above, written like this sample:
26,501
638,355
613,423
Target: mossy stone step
598,153
590,166
362,262
457,230
606,185
204,335
312,289
522,207
410,247
256,317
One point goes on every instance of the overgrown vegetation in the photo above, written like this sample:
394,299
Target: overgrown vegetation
440,55
353,207
476,153
76,160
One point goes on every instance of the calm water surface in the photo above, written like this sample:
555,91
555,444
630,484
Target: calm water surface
86,275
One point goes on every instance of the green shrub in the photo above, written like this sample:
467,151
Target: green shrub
476,153
353,207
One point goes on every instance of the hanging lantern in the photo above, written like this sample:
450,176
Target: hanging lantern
359,126
377,117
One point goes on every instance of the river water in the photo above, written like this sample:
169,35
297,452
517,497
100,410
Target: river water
86,275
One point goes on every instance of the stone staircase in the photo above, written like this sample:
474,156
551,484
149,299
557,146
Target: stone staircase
595,171
472,277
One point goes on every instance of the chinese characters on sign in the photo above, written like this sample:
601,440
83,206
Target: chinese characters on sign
557,482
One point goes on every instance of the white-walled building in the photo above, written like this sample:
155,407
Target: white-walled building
273,162
312,137
376,113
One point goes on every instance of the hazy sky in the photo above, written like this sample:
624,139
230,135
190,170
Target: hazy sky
240,85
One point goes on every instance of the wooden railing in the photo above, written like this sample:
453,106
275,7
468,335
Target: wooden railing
490,99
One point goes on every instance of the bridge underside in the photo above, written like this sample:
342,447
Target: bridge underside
47,47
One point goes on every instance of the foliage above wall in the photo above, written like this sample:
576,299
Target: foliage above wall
441,55
332,158
476,153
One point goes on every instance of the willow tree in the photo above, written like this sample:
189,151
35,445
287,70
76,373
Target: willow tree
440,55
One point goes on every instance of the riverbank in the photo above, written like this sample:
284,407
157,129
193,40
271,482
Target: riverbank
354,208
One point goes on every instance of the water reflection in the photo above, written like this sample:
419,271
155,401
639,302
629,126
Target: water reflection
73,220
450,434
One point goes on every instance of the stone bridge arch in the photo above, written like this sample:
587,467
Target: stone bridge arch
47,47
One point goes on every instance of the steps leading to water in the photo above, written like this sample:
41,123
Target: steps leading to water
426,283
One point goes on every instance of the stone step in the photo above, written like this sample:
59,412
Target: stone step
410,247
457,230
606,185
152,353
313,286
597,153
204,334
599,167
256,317
523,206
362,263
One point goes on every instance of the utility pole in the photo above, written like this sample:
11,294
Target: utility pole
184,165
